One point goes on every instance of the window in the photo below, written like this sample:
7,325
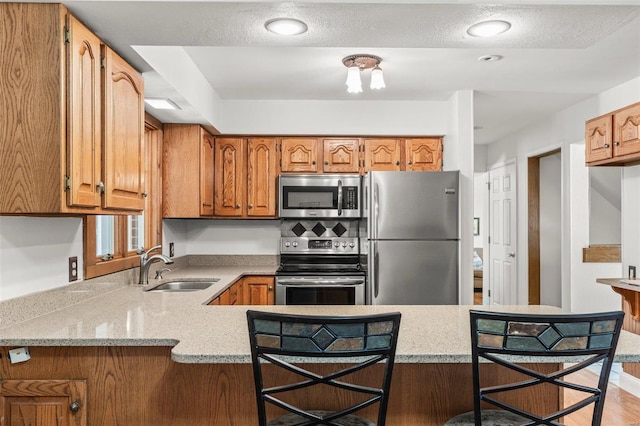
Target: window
114,243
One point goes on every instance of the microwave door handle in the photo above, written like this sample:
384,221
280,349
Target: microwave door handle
340,198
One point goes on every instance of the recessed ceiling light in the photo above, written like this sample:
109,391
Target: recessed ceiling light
160,103
489,58
488,28
286,26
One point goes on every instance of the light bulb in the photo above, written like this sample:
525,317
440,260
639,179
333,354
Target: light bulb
354,84
377,78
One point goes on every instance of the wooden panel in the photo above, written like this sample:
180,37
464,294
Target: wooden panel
181,152
598,139
533,182
229,177
43,402
299,155
340,155
626,131
225,297
84,125
123,161
602,254
153,172
423,154
262,173
32,105
142,386
206,173
382,154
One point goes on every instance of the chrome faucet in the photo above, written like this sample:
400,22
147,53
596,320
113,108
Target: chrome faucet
146,261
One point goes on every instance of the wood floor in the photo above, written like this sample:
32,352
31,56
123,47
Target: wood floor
620,409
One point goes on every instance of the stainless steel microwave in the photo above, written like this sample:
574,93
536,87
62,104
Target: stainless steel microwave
319,196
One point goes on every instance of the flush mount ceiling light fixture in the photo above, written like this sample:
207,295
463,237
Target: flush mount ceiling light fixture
286,26
488,28
160,103
357,63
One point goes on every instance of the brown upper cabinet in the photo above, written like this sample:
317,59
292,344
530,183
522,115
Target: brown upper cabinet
187,189
246,170
360,155
423,154
614,138
72,122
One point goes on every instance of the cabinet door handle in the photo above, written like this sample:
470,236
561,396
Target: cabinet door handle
74,406
100,187
397,163
145,194
250,206
326,163
410,162
237,206
206,204
270,288
313,162
606,145
616,144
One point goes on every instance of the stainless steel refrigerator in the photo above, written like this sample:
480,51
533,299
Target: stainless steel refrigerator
410,237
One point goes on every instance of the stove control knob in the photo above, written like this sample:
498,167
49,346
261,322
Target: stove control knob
352,245
287,244
295,244
344,244
337,244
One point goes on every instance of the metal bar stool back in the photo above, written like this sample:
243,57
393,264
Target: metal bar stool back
586,339
288,350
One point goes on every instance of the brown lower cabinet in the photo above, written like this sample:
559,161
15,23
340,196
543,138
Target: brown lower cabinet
132,385
43,402
249,290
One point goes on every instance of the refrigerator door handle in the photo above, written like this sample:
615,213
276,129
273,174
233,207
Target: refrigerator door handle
376,280
340,198
376,211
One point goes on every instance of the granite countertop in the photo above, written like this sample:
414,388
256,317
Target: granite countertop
108,314
633,285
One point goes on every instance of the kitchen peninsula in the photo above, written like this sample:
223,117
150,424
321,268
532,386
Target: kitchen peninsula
159,358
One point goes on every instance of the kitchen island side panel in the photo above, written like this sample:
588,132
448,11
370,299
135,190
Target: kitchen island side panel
143,386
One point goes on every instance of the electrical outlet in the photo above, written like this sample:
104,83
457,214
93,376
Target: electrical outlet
172,251
632,272
73,268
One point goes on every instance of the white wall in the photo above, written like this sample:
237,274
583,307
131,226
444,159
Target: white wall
34,253
550,230
561,131
233,236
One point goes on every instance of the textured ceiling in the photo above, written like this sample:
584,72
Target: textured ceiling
555,54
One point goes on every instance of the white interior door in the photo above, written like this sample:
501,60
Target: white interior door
502,235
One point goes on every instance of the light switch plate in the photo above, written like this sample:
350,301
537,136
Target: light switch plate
19,355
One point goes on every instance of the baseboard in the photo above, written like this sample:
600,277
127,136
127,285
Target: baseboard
630,384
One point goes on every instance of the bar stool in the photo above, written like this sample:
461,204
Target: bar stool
283,344
586,338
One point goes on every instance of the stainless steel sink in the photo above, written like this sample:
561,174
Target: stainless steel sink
185,285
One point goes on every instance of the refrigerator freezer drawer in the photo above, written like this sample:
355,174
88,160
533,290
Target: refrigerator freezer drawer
413,273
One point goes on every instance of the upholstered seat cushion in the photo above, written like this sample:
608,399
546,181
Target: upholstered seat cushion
294,419
489,418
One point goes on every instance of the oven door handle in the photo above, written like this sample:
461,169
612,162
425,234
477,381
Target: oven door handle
310,283
340,198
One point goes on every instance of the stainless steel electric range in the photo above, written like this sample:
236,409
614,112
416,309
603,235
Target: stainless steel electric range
320,264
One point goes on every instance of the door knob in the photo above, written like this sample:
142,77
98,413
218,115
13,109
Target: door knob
512,255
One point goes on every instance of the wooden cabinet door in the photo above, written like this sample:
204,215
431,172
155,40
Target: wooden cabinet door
230,177
423,154
626,131
262,173
84,123
259,290
206,173
382,154
598,138
123,155
299,155
43,402
340,155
